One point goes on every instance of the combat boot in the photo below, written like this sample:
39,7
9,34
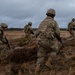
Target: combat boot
37,70
48,63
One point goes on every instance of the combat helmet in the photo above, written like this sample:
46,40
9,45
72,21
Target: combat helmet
3,25
29,23
73,19
51,12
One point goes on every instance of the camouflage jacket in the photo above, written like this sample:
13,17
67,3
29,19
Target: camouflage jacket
1,32
28,29
48,29
71,25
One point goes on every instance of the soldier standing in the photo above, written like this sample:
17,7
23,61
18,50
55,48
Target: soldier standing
2,36
47,31
28,31
71,25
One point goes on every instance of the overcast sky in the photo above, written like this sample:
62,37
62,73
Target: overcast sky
17,13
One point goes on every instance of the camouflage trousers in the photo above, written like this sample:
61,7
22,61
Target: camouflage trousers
28,38
46,47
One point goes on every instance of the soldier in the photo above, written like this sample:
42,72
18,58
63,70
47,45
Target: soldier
71,25
47,31
28,31
2,36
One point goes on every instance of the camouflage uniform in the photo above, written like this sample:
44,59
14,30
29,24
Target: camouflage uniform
71,25
46,34
2,37
28,31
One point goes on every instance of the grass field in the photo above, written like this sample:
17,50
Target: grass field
63,64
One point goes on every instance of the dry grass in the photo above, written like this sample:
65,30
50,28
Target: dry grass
23,57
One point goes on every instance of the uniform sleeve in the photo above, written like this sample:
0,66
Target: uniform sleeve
73,25
56,29
1,33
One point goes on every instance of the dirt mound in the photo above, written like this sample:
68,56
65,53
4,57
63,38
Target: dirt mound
22,55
